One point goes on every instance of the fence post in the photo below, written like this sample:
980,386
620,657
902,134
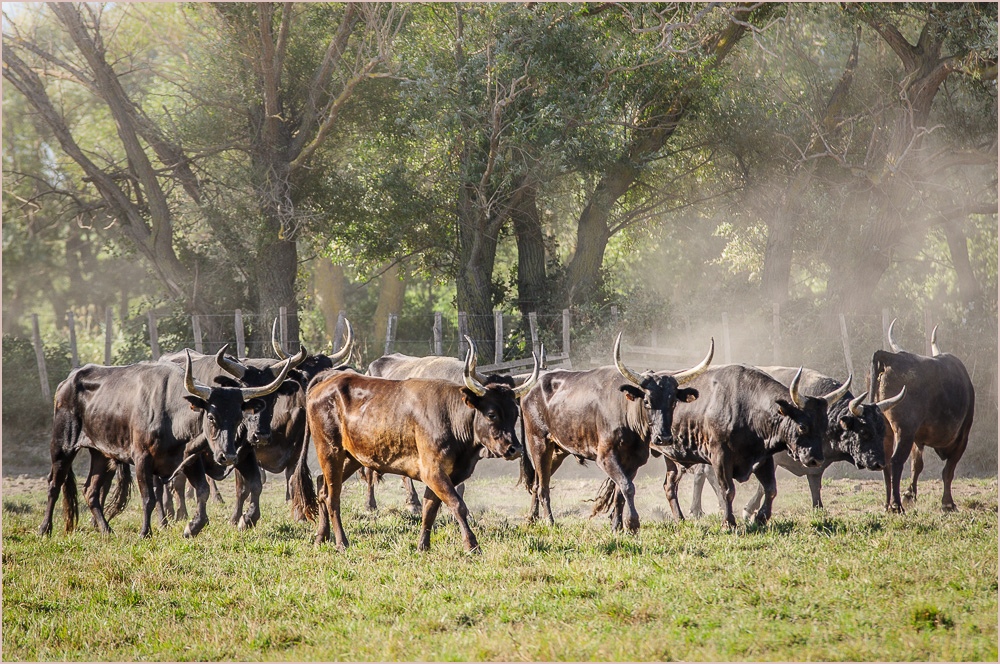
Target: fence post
928,326
196,325
43,375
776,333
885,328
497,337
108,318
71,322
727,351
283,328
463,331
154,340
338,330
533,328
240,345
565,332
390,333
438,334
614,315
847,344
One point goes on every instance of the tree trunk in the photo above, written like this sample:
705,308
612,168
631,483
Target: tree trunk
328,286
531,280
477,250
392,288
968,286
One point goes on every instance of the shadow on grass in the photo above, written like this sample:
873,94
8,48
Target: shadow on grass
12,507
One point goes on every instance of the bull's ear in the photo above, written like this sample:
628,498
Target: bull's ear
631,392
197,403
470,397
784,407
845,424
226,381
288,387
256,405
687,395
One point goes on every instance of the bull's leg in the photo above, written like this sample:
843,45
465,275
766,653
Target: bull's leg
195,473
289,471
903,446
755,502
948,473
214,491
610,464
816,488
160,497
670,483
542,461
177,489
616,511
344,466
430,510
251,472
441,485
412,500
765,474
916,467
147,491
726,491
697,488
93,488
241,497
65,435
370,477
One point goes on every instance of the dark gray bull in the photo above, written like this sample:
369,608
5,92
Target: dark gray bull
154,415
938,412
594,415
741,420
854,433
398,367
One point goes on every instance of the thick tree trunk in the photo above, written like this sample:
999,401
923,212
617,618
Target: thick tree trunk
968,286
328,287
477,250
531,279
392,288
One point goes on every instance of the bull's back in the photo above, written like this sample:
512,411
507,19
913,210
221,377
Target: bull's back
940,397
576,407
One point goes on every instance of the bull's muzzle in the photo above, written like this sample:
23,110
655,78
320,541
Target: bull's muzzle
660,441
809,461
225,458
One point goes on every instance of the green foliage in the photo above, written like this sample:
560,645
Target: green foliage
25,411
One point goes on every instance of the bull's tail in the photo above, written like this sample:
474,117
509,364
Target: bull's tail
118,499
71,504
605,498
301,484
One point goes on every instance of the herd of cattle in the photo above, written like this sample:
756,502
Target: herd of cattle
195,418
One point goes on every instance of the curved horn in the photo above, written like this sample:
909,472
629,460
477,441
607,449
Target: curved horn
200,391
346,349
622,369
935,351
684,376
889,403
793,390
523,388
892,342
855,406
834,397
543,360
282,355
470,369
232,367
254,392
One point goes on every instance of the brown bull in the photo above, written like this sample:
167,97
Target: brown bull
428,430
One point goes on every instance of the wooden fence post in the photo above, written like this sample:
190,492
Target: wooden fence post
438,334
776,333
614,315
847,344
196,325
154,340
533,328
338,330
390,333
283,328
565,332
71,322
885,329
108,318
497,337
463,331
240,345
43,375
727,351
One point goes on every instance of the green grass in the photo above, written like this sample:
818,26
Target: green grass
846,583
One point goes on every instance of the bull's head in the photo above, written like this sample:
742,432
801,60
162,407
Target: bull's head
858,429
802,421
223,409
660,392
496,407
313,364
257,425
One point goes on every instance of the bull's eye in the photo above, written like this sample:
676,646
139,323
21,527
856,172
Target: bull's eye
492,417
803,429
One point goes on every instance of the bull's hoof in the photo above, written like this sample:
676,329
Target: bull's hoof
245,523
474,551
949,507
747,515
45,530
762,519
895,508
217,498
415,510
697,514
145,534
192,529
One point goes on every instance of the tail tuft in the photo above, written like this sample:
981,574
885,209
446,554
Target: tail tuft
605,498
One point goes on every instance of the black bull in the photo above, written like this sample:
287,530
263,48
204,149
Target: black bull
598,416
741,420
854,433
153,415
937,413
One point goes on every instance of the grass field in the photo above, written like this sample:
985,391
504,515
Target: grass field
845,583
